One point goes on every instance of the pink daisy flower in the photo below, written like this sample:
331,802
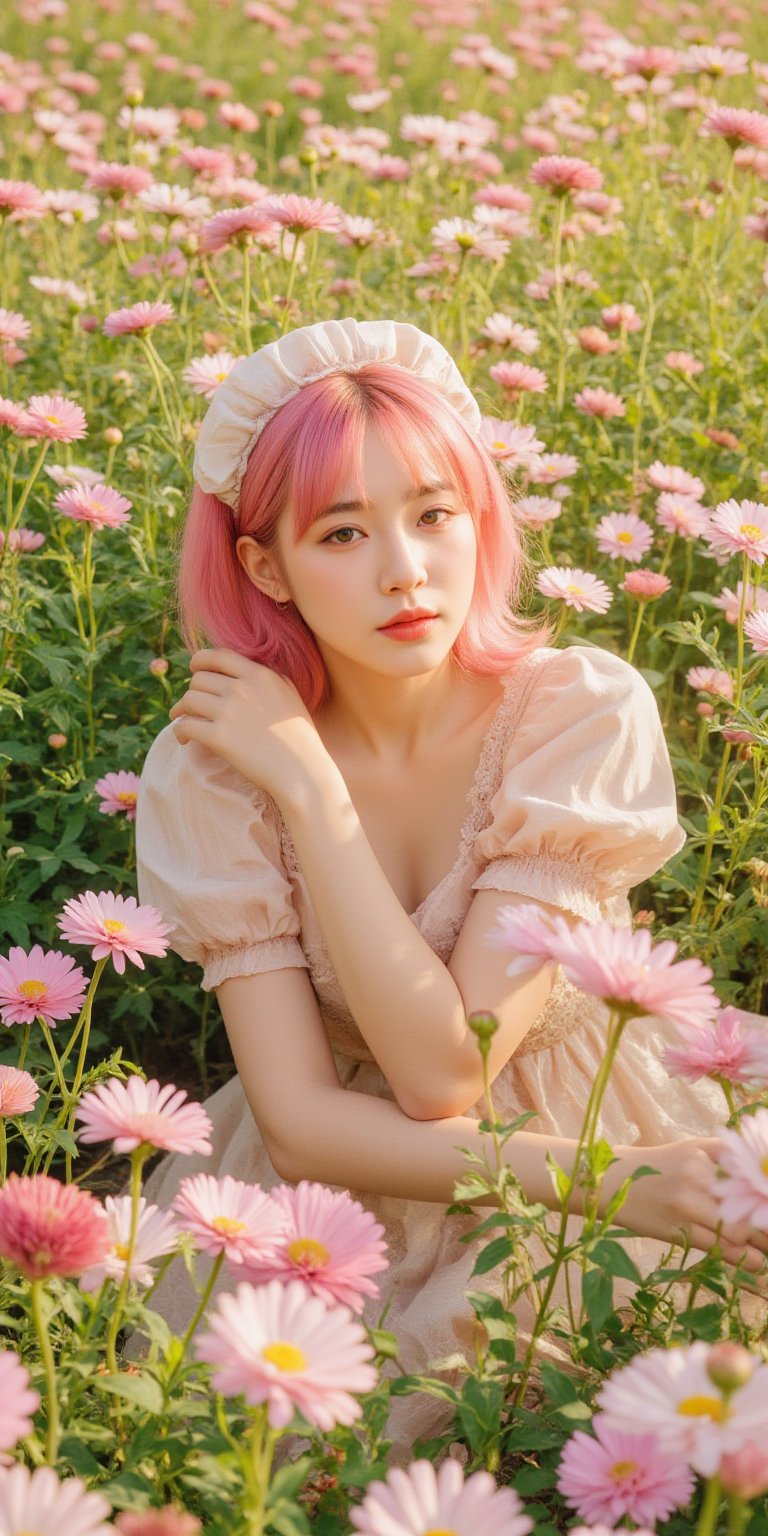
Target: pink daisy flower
506,332
537,511
624,535
710,680
96,504
205,374
531,931
48,1228
18,1091
116,926
737,125
614,1474
742,1182
20,197
509,443
23,540
302,214
740,527
143,1114
422,1500
119,792
156,1235
13,326
673,1392
465,237
228,1216
618,317
646,585
670,477
41,984
683,362
168,1521
756,631
519,378
234,226
731,601
281,1346
565,173
599,402
38,1504
18,1401
745,1472
330,1242
552,467
597,341
729,1048
137,319
54,417
11,414
576,588
118,180
681,515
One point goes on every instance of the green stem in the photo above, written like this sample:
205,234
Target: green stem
152,359
34,472
713,828
138,1158
636,631
61,1080
202,1304
740,631
707,1525
52,1439
738,1516
3,1151
247,298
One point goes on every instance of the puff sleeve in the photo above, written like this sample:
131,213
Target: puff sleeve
208,855
586,806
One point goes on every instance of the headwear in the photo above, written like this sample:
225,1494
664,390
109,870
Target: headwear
258,385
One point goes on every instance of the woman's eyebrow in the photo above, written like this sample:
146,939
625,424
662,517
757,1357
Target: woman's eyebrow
361,506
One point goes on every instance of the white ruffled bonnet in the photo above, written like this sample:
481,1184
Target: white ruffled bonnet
258,385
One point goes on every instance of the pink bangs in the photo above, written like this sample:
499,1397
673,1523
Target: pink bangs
306,452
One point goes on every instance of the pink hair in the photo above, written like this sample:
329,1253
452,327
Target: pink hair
315,442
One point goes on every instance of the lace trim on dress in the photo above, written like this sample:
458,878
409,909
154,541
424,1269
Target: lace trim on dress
251,960
561,882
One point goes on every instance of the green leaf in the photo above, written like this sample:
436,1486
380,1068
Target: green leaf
493,1254
614,1259
529,1479
558,1386
287,1480
73,1450
597,1290
144,1391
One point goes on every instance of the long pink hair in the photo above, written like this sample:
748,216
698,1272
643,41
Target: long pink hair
311,446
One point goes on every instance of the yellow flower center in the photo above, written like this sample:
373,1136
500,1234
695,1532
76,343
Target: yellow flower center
121,1251
54,420
573,588
625,537
127,796
227,1225
764,1165
622,1469
96,506
113,926
305,1250
287,1357
465,241
442,1530
220,377
499,443
750,530
702,1407
33,989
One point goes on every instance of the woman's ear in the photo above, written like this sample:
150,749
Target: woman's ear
262,567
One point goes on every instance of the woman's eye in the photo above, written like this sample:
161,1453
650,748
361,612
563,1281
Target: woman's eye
431,512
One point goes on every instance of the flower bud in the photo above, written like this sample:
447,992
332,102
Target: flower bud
744,1473
308,155
483,1025
384,1343
158,666
705,710
113,436
57,740
729,1366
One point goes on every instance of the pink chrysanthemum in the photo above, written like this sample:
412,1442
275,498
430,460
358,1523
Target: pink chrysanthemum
576,588
13,326
41,984
756,631
672,1391
670,477
38,1504
730,602
227,1216
20,197
96,504
683,362
646,585
119,792
681,515
205,374
621,317
618,965
155,1236
302,214
137,319
116,926
742,1184
118,180
465,237
730,1048
537,511
740,527
168,1521
737,125
11,414
599,402
510,443
519,378
422,1500
565,173
22,540
18,1401
277,1344
54,417
624,536
331,1243
48,1228
234,226
138,1113
552,467
745,1472
710,680
18,1091
614,1474
505,332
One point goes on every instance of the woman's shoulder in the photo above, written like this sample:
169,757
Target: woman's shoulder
183,768
587,668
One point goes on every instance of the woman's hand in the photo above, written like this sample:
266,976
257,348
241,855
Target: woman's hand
252,717
678,1203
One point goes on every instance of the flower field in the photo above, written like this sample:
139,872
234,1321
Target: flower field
574,200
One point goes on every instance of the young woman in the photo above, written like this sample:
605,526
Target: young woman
344,801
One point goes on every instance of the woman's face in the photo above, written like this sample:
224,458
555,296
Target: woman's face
358,567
